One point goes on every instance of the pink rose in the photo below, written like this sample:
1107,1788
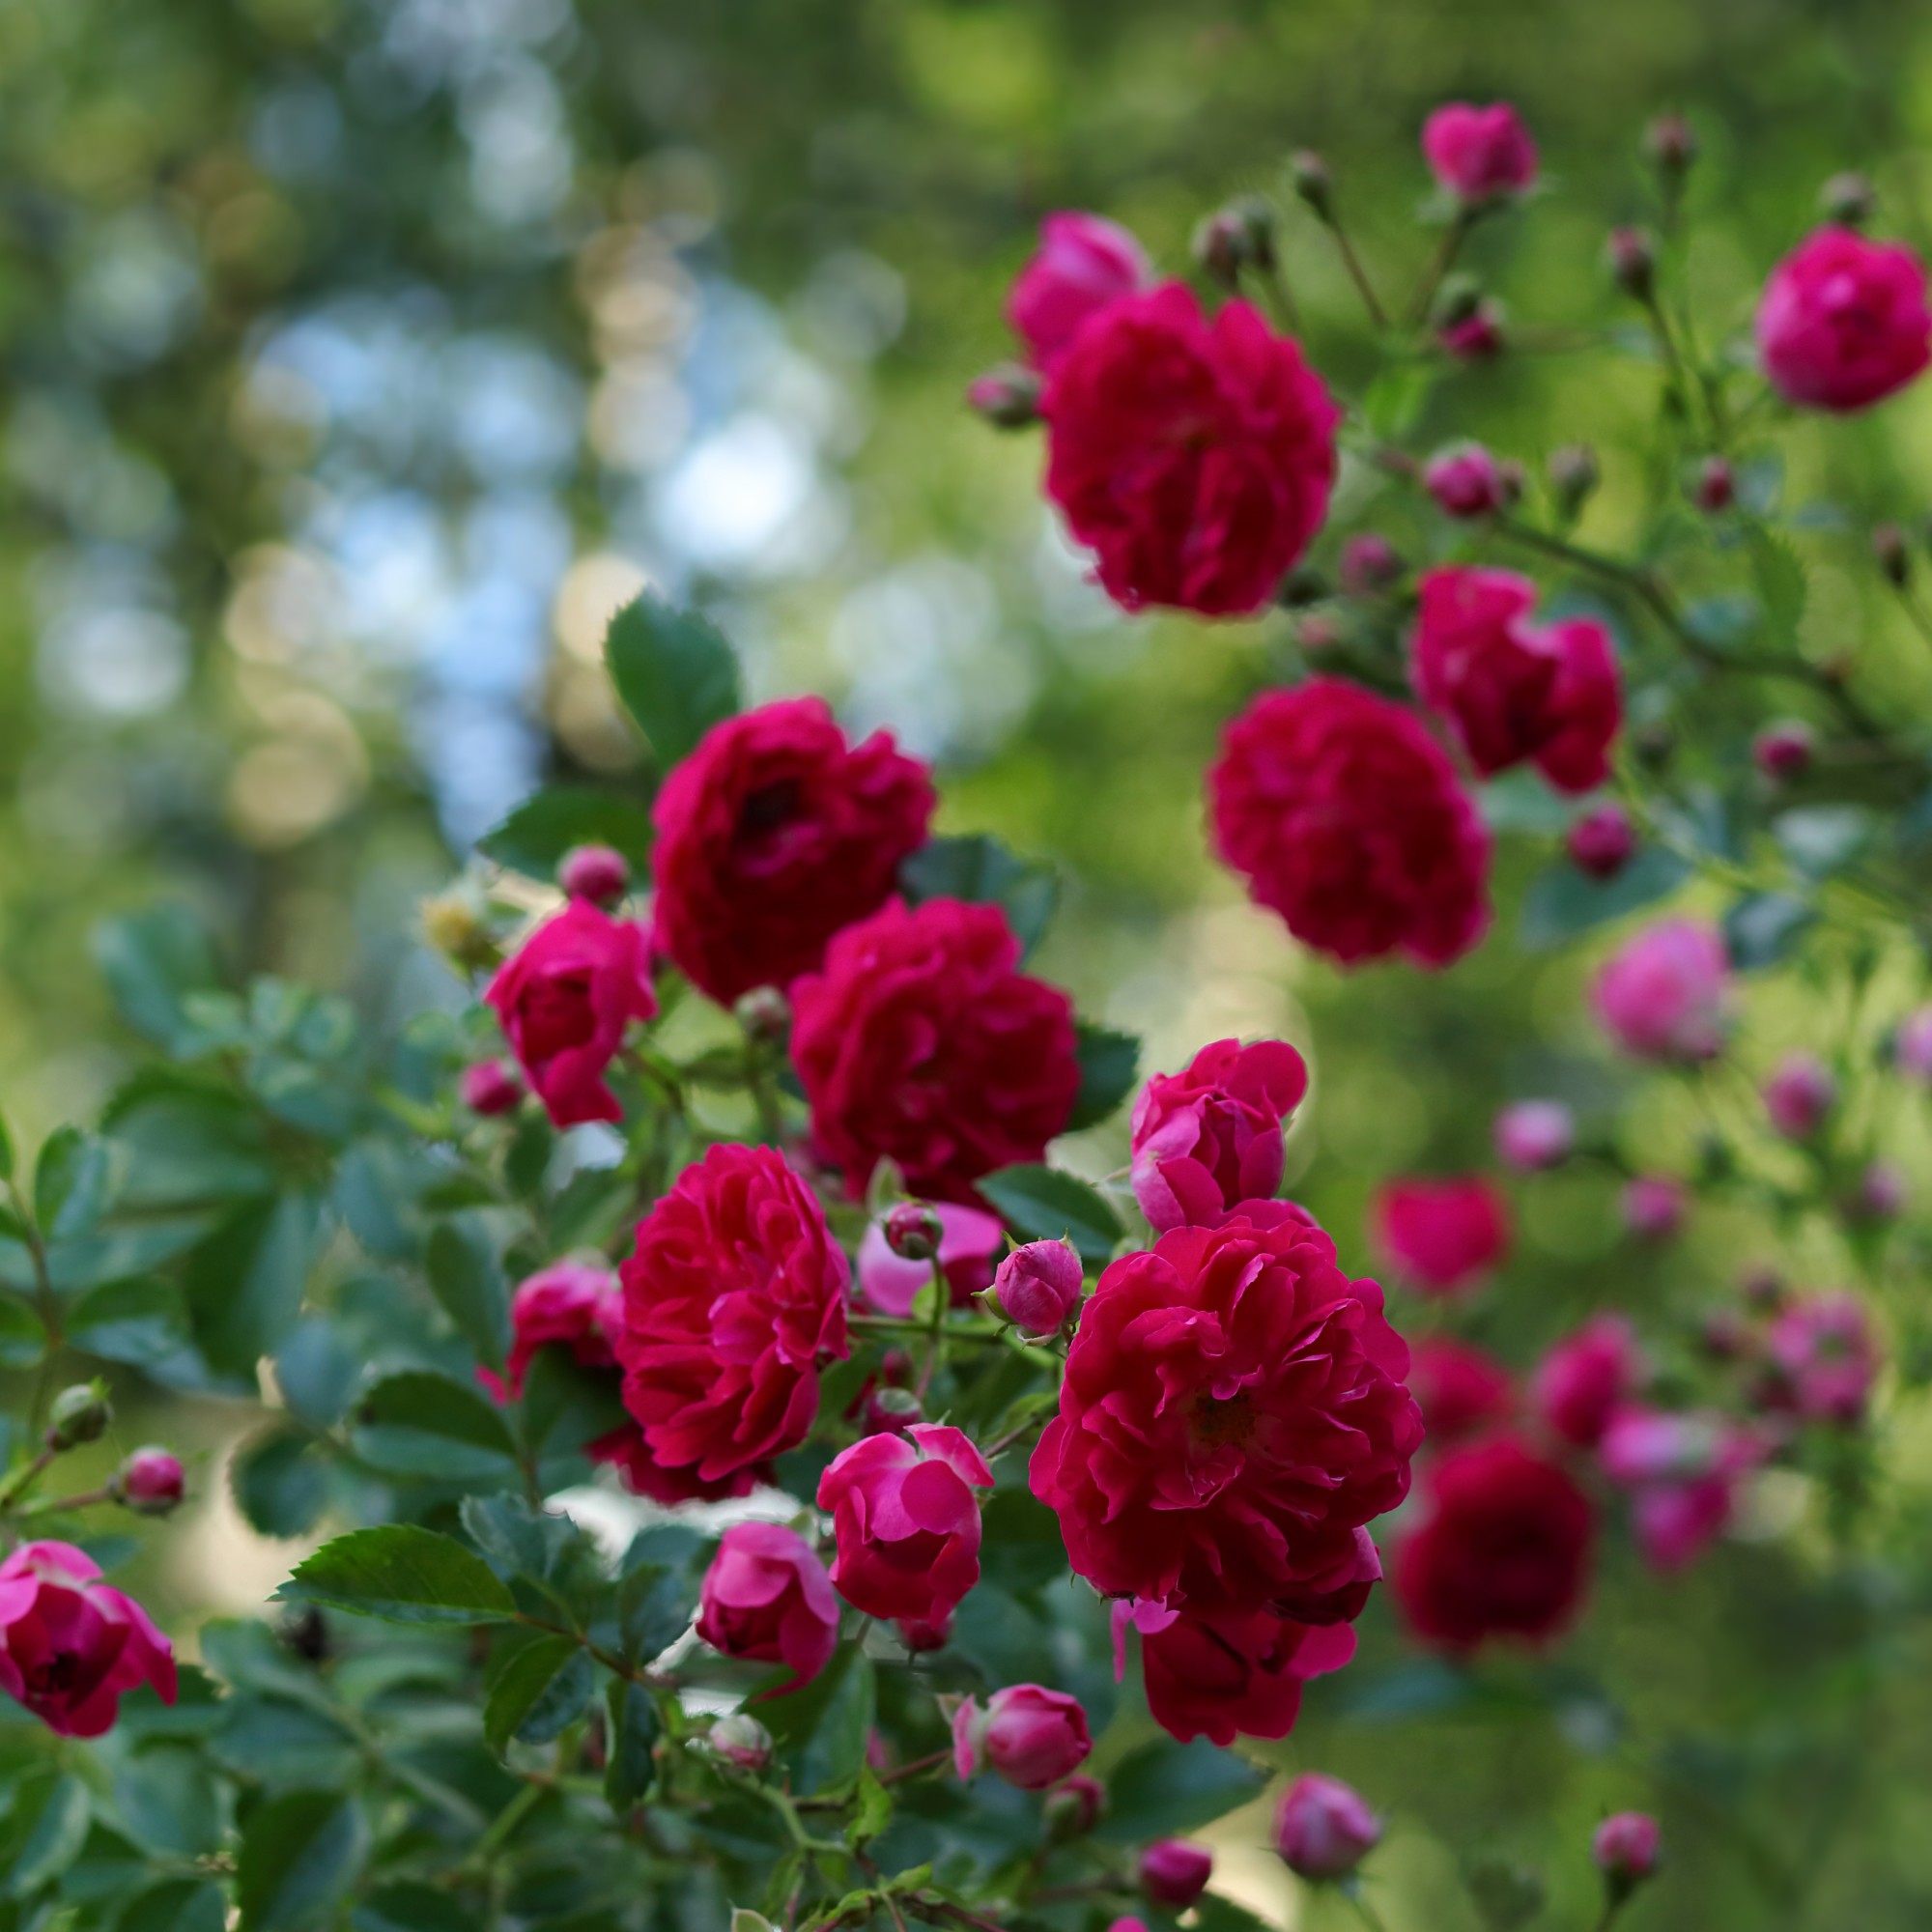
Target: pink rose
906,1520
1800,1092
568,1303
1532,1136
1030,1736
1193,458
1843,320
1683,1471
1824,1358
1039,1286
1584,1379
1654,1208
1324,1829
1174,1873
1467,481
969,1240
69,1645
1479,153
1441,1235
1662,995
1209,1138
1084,261
1626,1848
564,1000
767,1598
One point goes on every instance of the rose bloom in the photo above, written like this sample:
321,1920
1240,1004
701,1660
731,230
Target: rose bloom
1198,1444
1843,320
1324,1829
1083,263
767,1598
1209,1138
1800,1092
1603,841
1531,1136
970,1241
1662,995
1479,153
1443,1236
774,834
1682,1472
1030,1736
1502,1550
733,1295
1510,690
1824,1357
1218,1677
923,1042
1039,1286
1459,1388
1583,1381
1174,1873
1348,820
1466,480
69,1645
1913,1048
1193,458
564,999
569,1303
1654,1208
907,1521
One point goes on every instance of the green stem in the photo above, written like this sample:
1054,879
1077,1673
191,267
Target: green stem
84,1501
935,1348
1278,297
1443,260
24,1478
1357,274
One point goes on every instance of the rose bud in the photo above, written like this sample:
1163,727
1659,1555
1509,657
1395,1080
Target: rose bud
1714,485
1007,396
896,1367
1324,1829
1781,751
1532,1136
490,1087
890,1411
1030,1736
1313,182
1602,841
453,925
1632,261
1670,144
1478,337
969,1241
1479,155
1654,1207
1459,298
1798,1095
79,1414
1626,1849
1037,1287
1073,1807
151,1481
913,1231
742,1741
1466,480
1237,237
599,874
1662,995
1574,473
69,1645
920,1635
1848,199
1895,558
765,1015
767,1598
1174,1873
1369,564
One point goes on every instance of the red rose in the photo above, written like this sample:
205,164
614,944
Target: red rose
923,1042
1503,1548
564,1000
1460,1389
1193,458
69,1645
907,1521
1210,1137
1082,264
1510,691
1843,322
735,1292
1441,1235
767,1598
567,1303
772,835
626,1451
1200,1444
1348,820
1586,1378
1478,152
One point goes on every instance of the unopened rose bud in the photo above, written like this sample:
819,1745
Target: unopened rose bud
1723,1334
896,1367
1007,396
1671,145
1880,1195
1313,182
1715,486
79,1414
1603,841
1632,262
1324,1829
891,1411
1799,1095
1030,1736
1235,239
1781,751
1533,1136
599,874
151,1481
1037,1287
1476,338
913,1231
1174,1873
742,1741
1466,480
1369,565
1626,1850
490,1087
920,1635
1894,557
1848,199
1574,473
1072,1809
1654,1207
765,1015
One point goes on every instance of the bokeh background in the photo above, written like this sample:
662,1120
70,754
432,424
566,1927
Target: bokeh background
362,356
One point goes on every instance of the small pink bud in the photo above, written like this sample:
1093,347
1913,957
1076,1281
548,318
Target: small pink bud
1800,1092
1477,337
1037,1287
151,1481
1781,751
741,1740
1030,1736
1574,473
1632,259
491,1087
598,874
1007,396
896,1367
1174,1873
1654,1207
1715,487
1369,564
913,1231
891,1411
1466,480
1626,1849
1670,144
1073,1807
1533,1135
920,1635
1324,1829
1602,841
765,1015
1849,199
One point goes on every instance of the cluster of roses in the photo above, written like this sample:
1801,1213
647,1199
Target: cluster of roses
1194,457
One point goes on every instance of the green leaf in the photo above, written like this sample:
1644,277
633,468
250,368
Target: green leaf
466,1276
821,1730
409,1907
1761,929
280,1482
245,1284
1782,587
654,1609
70,1184
300,1855
1394,402
22,1339
6,1152
176,1905
1562,901
537,1683
1108,1063
536,835
151,962
873,1813
281,1743
404,1575
633,1731
316,1372
48,1822
141,1322
422,1424
1820,839
982,871
1165,1787
1041,1203
673,672
566,1406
